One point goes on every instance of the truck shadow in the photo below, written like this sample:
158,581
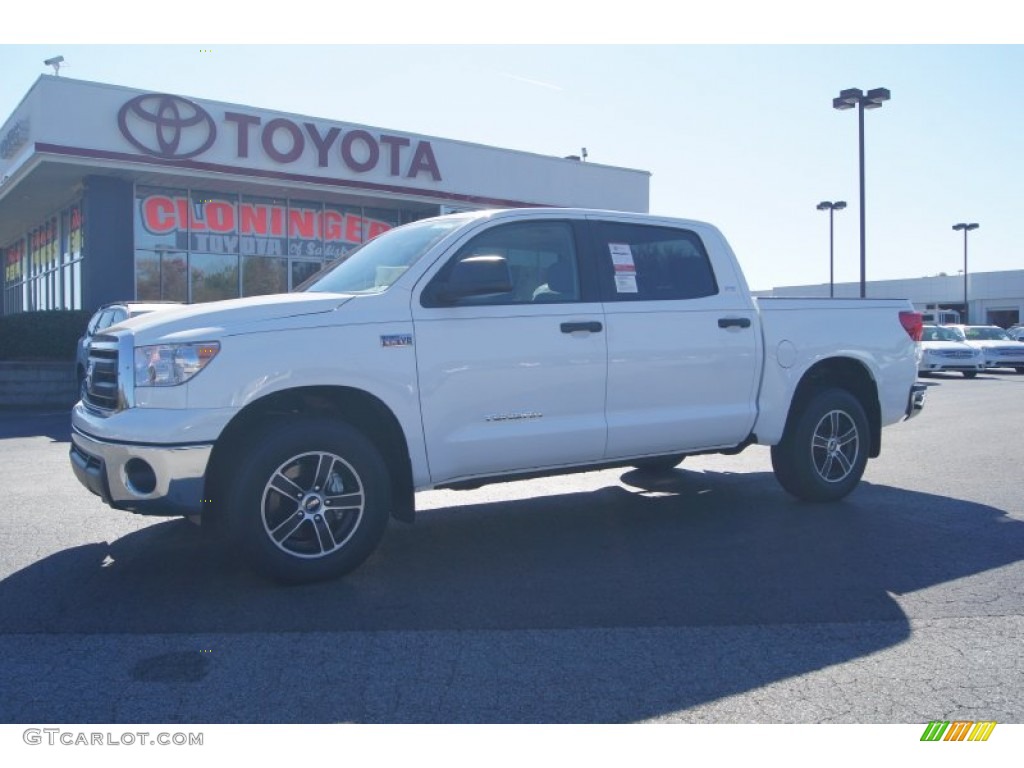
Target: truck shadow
54,424
704,551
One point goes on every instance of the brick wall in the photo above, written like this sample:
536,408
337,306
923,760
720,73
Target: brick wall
37,385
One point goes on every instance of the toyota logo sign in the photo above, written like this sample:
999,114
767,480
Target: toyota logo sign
167,126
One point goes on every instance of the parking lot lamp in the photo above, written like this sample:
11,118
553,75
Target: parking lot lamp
831,207
848,99
966,228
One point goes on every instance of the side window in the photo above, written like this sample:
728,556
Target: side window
651,263
541,263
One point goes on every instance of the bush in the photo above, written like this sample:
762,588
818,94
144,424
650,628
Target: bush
51,335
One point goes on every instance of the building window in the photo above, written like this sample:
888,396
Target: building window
194,245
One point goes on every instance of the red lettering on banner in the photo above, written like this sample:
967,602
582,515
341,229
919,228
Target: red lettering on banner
162,215
354,228
277,221
220,216
333,226
302,223
253,219
376,227
157,215
186,218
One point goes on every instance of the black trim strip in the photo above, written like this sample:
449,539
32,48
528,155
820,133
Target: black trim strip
104,441
196,165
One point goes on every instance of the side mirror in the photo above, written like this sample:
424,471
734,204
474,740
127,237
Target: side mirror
477,276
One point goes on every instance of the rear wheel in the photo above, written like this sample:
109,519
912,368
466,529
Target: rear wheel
310,500
969,374
1019,369
824,450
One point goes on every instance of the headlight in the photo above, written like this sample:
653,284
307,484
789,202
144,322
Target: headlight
167,365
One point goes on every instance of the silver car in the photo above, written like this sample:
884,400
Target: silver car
999,348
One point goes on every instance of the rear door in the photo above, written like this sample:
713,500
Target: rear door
513,381
682,340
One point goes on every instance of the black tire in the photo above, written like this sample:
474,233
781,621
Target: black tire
279,503
824,450
1019,369
969,374
659,464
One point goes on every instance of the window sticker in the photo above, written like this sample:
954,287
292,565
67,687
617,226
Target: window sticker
625,267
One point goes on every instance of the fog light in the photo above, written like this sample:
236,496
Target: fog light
139,477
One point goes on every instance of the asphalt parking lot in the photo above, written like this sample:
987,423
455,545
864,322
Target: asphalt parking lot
706,595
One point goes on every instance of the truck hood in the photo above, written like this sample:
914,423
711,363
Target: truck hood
216,319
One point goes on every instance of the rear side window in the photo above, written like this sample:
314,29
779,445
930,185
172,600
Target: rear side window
650,263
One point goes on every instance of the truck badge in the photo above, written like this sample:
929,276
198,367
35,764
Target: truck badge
396,340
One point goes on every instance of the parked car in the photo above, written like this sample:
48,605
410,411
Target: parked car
1016,331
105,317
943,350
999,348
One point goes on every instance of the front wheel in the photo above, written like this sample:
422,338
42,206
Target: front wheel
310,500
824,449
969,374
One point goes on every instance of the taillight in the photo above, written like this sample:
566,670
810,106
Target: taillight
913,324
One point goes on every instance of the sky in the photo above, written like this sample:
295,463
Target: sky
740,133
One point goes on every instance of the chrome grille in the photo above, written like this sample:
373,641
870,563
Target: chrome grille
957,354
101,376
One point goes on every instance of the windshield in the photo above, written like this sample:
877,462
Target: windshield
375,265
939,334
986,334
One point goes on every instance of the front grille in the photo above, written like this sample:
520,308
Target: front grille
1010,351
956,354
101,377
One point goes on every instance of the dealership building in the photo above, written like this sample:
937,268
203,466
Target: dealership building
993,298
110,193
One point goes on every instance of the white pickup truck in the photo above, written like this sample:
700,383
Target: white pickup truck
477,348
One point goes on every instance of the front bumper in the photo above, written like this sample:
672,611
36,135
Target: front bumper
147,479
937,366
915,402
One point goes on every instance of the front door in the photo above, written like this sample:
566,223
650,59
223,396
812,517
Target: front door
512,380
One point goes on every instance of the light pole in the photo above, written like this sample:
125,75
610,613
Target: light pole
831,207
966,228
848,99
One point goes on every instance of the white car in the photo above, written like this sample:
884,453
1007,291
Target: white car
999,348
943,350
1016,332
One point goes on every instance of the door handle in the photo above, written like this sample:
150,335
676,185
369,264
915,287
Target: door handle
593,326
734,322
